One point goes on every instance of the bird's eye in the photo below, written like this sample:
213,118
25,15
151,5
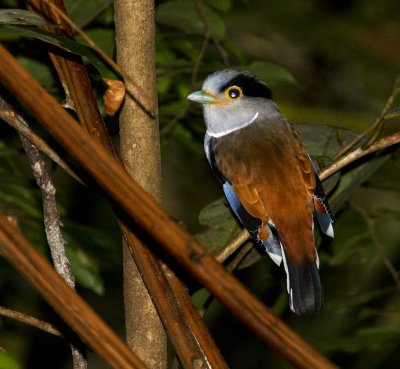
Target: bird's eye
234,92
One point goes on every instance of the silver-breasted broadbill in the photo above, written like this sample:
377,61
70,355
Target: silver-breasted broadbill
268,178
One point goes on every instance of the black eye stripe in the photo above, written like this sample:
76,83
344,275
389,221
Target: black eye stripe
250,86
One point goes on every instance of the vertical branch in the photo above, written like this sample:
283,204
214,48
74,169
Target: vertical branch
52,223
140,152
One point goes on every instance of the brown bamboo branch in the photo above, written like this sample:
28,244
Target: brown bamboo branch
140,153
30,320
187,331
154,220
64,300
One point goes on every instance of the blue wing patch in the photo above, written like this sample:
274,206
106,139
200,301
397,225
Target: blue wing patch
271,245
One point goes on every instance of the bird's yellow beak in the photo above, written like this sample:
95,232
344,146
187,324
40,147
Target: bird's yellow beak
202,97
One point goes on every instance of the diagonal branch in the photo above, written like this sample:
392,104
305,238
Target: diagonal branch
64,300
358,153
376,124
27,319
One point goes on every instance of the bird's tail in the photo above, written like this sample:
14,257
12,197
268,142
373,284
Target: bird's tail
304,286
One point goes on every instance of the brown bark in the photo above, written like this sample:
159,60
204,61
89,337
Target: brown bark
140,153
64,300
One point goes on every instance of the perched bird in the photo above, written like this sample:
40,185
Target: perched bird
267,177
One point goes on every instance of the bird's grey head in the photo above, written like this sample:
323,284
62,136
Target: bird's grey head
233,100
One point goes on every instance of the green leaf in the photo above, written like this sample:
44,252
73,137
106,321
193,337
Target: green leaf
377,336
82,12
220,223
20,17
40,70
183,15
351,239
386,214
272,74
222,5
352,179
16,192
322,140
85,270
8,362
69,46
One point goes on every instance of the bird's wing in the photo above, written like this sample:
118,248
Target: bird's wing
274,181
324,214
269,244
314,187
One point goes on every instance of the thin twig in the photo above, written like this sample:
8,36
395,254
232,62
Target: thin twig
208,31
30,320
358,153
15,120
52,226
240,256
378,244
378,121
182,113
199,59
232,246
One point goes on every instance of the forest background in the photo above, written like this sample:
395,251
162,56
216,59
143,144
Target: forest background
332,66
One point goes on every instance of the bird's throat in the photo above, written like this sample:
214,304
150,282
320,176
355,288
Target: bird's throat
233,129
